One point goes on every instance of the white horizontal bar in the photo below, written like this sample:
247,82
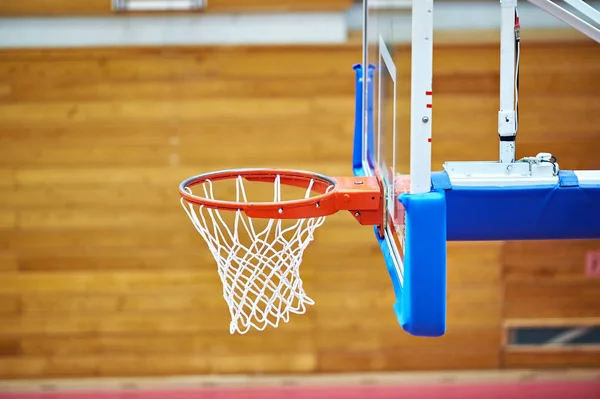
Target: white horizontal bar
198,29
568,18
390,4
499,174
496,174
585,9
588,176
506,181
154,5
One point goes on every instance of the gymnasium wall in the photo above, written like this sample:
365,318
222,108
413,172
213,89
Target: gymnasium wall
102,274
93,23
545,282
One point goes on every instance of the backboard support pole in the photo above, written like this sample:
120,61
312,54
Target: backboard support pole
507,118
421,96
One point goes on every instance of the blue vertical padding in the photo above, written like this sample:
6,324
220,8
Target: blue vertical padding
357,153
357,164
423,308
420,305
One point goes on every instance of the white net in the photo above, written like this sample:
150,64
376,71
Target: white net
258,266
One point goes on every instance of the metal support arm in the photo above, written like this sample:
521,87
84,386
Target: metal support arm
571,19
507,117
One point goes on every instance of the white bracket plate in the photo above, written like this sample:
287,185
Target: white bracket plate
497,174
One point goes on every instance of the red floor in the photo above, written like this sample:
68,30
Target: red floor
533,390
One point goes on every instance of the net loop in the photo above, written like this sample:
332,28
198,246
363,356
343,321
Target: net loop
259,266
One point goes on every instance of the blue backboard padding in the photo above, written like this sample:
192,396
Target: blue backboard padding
543,212
357,153
567,178
422,311
357,164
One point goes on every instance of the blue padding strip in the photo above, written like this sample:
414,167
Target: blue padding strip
440,181
523,213
422,309
357,164
567,178
544,212
357,152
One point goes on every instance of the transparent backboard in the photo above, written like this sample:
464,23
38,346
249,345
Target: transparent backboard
384,121
396,147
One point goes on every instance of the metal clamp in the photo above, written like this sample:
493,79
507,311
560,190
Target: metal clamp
542,157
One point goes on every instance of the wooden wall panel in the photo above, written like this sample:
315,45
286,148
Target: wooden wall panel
278,5
101,273
551,359
20,8
103,7
546,279
545,283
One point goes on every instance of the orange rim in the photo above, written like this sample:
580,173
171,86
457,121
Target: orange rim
319,205
360,195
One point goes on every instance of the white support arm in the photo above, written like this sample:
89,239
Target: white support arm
570,19
585,9
421,96
507,124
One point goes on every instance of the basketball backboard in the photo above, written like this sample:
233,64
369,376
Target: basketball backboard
395,146
381,128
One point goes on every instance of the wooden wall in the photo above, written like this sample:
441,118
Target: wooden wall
101,273
545,281
59,8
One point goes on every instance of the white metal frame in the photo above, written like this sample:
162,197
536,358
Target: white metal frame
507,117
386,59
571,19
497,174
397,258
391,202
421,80
421,91
519,174
585,9
421,96
508,171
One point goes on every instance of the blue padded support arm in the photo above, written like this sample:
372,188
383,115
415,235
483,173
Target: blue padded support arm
566,210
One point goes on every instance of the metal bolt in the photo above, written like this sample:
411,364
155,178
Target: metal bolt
358,182
280,211
425,119
318,205
509,168
357,214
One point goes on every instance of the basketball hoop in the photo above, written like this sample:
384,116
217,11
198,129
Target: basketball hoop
260,266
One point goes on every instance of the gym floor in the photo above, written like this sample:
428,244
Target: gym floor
560,384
